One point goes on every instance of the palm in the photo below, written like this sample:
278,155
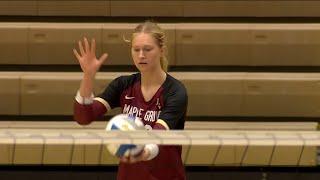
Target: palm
87,57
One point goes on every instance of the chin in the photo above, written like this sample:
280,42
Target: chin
142,69
145,70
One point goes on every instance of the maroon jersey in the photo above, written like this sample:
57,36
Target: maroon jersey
166,110
168,104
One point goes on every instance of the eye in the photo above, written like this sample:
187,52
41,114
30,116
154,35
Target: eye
147,49
136,50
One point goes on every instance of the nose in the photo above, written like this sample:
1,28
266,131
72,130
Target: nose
141,54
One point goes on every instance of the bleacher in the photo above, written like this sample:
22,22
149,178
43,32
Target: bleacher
247,65
211,94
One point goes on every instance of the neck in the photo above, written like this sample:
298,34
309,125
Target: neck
152,78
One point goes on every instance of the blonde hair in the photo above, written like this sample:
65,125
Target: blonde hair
158,34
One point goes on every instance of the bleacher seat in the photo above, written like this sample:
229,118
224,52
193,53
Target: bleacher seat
73,8
14,43
146,8
9,93
189,44
51,43
183,8
212,44
19,8
210,94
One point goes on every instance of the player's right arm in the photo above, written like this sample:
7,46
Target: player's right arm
85,108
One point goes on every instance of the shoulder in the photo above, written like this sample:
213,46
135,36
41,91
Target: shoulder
173,86
126,80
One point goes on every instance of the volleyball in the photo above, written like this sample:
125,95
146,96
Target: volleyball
124,122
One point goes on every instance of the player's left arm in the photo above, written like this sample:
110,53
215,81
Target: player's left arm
172,116
174,111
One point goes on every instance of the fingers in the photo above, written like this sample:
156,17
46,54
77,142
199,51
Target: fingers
86,45
93,46
103,58
81,48
129,160
88,51
133,159
75,52
125,159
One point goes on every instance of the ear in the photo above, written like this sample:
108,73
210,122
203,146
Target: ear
162,51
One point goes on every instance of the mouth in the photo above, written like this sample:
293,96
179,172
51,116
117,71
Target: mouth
142,63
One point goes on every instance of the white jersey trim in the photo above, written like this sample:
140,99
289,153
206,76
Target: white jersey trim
83,100
163,123
104,102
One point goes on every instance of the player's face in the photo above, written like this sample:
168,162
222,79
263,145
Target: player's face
146,52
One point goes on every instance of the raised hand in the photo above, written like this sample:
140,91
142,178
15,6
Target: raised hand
87,58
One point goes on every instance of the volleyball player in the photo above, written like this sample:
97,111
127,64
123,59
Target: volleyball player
152,94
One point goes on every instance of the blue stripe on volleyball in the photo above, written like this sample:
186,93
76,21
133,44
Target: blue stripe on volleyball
114,127
123,148
131,117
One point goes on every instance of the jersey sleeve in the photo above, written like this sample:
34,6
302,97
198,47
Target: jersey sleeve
113,92
175,107
86,113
